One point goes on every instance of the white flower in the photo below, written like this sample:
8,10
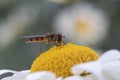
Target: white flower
60,78
105,68
82,24
26,75
109,56
74,78
16,75
112,70
41,76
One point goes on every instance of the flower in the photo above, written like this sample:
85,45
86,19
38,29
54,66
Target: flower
26,75
82,24
18,75
62,1
59,60
105,68
74,78
41,76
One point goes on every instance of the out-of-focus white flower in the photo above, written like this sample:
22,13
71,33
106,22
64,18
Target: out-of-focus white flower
5,2
62,1
16,23
82,24
105,68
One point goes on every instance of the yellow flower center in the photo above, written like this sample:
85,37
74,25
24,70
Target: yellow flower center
60,59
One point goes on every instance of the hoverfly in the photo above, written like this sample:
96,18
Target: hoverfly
48,38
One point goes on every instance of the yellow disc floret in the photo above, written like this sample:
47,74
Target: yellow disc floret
59,60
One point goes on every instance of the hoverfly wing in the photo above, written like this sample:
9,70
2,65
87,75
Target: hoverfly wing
30,36
34,38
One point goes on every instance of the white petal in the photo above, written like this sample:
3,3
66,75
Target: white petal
90,77
43,75
74,78
112,70
60,78
6,71
77,77
23,72
94,68
17,75
12,78
110,56
89,67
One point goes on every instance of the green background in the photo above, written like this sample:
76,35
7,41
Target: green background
19,55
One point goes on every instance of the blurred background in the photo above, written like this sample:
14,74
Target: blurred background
93,23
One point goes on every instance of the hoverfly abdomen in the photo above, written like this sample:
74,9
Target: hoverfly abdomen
37,38
30,40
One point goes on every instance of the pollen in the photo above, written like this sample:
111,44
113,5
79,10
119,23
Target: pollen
60,59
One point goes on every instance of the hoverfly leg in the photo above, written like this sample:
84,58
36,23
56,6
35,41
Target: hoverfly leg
52,45
41,46
60,43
